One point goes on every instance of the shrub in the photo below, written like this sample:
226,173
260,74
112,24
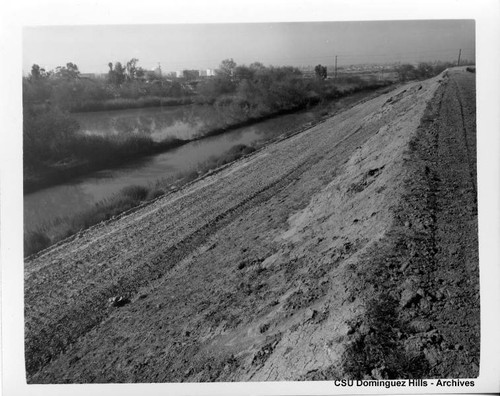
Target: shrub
158,192
34,241
130,103
407,72
379,348
233,154
423,71
136,193
47,136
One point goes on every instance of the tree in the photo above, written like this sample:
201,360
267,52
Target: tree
119,73
37,73
243,73
116,74
226,68
406,72
111,74
68,72
320,72
150,75
424,70
190,74
133,72
256,66
37,87
140,73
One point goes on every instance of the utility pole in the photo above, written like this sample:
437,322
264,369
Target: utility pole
459,54
335,75
161,83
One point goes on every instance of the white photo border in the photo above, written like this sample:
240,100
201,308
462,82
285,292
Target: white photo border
17,14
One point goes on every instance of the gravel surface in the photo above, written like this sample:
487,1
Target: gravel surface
260,271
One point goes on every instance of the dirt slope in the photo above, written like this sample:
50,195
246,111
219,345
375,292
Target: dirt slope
333,253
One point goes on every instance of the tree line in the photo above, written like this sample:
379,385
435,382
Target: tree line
66,88
239,93
424,70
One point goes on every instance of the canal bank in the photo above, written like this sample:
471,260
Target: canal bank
58,211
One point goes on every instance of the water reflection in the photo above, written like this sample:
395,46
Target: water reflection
183,122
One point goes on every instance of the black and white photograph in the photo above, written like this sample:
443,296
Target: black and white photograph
254,202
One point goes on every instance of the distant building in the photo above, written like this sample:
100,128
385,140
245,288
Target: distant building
179,74
207,72
93,75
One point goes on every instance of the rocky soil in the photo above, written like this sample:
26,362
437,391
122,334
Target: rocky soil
348,250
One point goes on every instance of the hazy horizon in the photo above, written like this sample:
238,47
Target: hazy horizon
201,46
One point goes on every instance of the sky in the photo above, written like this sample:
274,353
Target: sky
202,46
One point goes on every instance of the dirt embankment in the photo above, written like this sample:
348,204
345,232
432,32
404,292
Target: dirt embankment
347,250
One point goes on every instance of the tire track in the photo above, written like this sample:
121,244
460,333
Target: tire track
470,158
139,252
428,262
42,346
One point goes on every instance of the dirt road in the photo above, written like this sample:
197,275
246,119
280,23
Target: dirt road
280,266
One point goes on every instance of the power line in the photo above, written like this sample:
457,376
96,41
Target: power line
345,56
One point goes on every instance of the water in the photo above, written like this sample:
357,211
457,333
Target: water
184,122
